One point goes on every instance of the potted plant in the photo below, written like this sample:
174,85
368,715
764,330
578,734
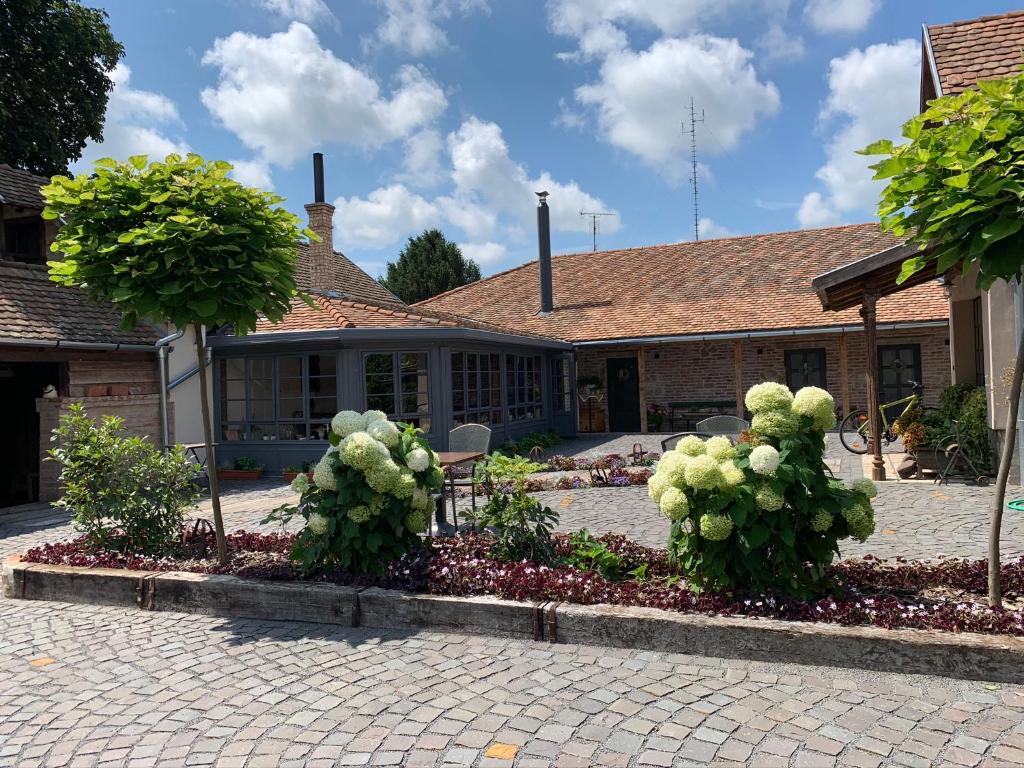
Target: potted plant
655,417
242,468
292,471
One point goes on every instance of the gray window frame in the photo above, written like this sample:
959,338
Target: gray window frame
512,401
396,385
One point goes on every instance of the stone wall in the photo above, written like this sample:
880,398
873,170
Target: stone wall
707,370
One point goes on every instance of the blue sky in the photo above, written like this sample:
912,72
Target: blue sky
450,113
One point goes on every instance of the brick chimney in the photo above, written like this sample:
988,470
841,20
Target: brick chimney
320,255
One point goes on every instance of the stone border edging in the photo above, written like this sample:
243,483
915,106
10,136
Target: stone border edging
998,658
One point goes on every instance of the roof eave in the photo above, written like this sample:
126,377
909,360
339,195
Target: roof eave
933,70
355,335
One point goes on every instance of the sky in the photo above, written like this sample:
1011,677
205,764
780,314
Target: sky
452,113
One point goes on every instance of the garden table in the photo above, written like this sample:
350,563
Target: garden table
447,460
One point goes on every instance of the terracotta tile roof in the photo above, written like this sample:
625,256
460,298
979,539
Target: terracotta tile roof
351,280
329,312
18,187
977,49
33,308
756,282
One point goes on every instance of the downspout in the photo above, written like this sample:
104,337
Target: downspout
1018,313
162,350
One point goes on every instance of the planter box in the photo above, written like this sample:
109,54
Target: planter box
239,474
931,458
290,476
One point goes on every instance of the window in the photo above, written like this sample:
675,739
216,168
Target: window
524,384
25,240
805,368
561,384
398,383
291,397
476,388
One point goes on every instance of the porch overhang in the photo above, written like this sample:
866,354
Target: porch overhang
371,335
846,286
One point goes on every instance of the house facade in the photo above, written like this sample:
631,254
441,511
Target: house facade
690,326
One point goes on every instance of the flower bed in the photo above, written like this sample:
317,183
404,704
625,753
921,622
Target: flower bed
944,595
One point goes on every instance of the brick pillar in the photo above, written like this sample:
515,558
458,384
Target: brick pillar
322,275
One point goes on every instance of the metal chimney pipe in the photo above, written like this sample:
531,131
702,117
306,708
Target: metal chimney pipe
544,253
318,177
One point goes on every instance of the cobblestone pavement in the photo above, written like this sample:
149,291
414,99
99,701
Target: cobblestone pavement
82,686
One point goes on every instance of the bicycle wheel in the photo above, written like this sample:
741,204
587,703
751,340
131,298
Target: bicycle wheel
855,432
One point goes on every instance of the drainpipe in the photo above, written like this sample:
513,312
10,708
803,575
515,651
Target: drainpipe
162,349
1018,312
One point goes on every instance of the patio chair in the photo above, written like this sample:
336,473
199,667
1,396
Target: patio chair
473,438
730,426
669,443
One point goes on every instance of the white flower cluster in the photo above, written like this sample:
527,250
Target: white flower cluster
371,444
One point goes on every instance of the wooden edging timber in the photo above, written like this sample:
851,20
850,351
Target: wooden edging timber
998,658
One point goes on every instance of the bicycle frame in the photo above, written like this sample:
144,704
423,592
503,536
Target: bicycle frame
912,400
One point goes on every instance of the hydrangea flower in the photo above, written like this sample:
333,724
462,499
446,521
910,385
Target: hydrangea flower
821,521
657,486
323,475
345,423
703,473
715,527
416,522
860,519
421,499
363,452
317,523
731,474
865,486
417,459
764,459
405,484
774,423
719,448
301,483
372,416
384,477
674,504
359,514
385,432
691,445
818,404
769,396
768,499
672,467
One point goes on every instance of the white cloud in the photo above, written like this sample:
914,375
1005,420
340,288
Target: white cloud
306,11
576,18
412,25
709,229
252,173
472,218
872,92
776,44
484,254
840,15
423,158
386,216
567,116
135,124
634,89
285,95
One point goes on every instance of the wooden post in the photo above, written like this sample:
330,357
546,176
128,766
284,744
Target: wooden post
869,314
844,376
642,375
737,355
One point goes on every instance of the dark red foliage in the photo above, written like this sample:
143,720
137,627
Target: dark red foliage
867,592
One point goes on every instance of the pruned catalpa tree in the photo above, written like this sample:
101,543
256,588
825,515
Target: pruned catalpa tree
177,242
956,189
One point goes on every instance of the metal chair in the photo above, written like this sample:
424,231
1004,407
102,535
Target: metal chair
469,438
730,426
669,443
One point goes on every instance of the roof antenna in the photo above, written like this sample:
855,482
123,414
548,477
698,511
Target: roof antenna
693,161
594,215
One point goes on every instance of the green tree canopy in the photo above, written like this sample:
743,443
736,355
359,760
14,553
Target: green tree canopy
55,57
177,241
956,189
428,265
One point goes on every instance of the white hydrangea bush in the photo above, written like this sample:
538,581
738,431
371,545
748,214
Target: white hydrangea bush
764,513
370,496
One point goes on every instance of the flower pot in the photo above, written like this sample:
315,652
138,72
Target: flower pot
239,474
931,458
290,476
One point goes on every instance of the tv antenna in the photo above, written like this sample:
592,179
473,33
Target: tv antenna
692,132
594,216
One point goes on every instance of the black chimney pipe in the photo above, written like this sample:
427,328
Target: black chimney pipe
544,252
318,177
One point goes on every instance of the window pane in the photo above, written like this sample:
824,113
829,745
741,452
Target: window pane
233,368
381,403
234,410
290,408
323,365
379,364
262,367
261,410
289,367
322,407
323,386
232,432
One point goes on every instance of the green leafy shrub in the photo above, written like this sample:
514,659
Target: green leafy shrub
589,554
764,514
962,414
124,494
370,495
246,464
521,525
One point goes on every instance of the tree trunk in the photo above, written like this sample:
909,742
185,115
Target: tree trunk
995,590
211,459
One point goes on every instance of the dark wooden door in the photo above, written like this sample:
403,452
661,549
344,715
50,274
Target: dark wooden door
623,394
805,368
898,366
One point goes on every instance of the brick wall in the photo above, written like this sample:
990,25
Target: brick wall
706,370
112,377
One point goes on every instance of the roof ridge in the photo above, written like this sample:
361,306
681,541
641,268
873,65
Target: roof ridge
989,17
325,304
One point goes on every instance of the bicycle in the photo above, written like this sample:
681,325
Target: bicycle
855,429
